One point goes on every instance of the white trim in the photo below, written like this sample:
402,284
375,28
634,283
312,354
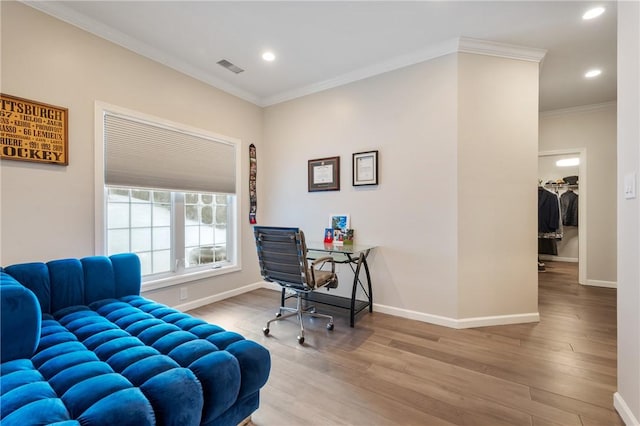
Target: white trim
599,283
271,286
625,412
582,207
461,44
216,297
441,320
100,222
457,45
432,52
106,32
154,284
234,248
578,109
458,323
499,320
501,50
552,258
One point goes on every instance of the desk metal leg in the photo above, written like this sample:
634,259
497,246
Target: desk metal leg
362,260
356,276
366,270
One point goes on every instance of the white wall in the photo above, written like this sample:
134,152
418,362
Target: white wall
627,399
452,140
47,211
594,128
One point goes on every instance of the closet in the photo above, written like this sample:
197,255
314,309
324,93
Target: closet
558,209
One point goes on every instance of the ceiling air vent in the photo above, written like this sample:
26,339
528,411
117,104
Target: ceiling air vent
230,66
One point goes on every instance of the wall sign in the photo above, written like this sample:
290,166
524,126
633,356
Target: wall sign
33,131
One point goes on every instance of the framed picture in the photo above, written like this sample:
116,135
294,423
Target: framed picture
324,174
365,168
340,221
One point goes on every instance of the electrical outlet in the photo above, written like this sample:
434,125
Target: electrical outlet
184,294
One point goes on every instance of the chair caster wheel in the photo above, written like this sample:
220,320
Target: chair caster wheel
278,315
330,326
301,339
265,331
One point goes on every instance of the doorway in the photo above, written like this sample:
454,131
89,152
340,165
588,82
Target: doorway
564,173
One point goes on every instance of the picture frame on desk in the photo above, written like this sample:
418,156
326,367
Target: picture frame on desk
340,221
365,168
324,174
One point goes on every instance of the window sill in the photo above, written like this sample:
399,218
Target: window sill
156,283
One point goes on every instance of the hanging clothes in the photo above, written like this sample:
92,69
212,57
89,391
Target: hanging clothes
569,208
548,211
549,224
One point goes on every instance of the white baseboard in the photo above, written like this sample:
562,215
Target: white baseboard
458,323
399,312
558,258
271,286
625,412
193,304
606,284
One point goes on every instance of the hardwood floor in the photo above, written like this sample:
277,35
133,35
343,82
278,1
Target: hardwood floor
394,371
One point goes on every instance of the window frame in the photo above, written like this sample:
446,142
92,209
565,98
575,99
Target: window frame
179,273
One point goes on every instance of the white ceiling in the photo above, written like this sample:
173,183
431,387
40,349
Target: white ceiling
321,44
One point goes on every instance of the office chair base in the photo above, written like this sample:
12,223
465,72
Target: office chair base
299,312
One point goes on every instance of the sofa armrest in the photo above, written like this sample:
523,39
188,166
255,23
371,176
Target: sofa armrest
20,320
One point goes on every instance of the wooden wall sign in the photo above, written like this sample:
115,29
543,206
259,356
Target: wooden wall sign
33,131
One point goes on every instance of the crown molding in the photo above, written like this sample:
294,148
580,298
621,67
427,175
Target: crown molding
432,52
578,109
501,50
457,45
66,14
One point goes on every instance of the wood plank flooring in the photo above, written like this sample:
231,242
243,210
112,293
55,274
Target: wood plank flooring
394,371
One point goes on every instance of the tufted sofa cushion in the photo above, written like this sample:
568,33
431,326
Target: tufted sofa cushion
101,346
174,394
228,375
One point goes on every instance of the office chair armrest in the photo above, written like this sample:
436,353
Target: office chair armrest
324,260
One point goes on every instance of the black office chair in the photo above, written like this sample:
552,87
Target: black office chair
282,254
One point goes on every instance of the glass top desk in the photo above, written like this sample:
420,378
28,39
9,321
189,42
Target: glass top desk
355,255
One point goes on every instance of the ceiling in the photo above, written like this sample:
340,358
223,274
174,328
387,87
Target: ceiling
322,44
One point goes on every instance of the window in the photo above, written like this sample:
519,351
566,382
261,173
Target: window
169,196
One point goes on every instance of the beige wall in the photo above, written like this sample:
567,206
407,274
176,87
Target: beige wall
447,130
47,211
453,140
593,128
627,399
409,116
497,163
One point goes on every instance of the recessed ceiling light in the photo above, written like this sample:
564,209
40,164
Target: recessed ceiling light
268,56
593,13
593,73
568,162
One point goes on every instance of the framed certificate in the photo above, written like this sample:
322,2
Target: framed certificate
365,168
324,174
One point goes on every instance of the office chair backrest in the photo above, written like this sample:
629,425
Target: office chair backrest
282,255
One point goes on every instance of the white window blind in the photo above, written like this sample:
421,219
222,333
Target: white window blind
142,154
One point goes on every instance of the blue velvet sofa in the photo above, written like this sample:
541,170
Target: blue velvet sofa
80,346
